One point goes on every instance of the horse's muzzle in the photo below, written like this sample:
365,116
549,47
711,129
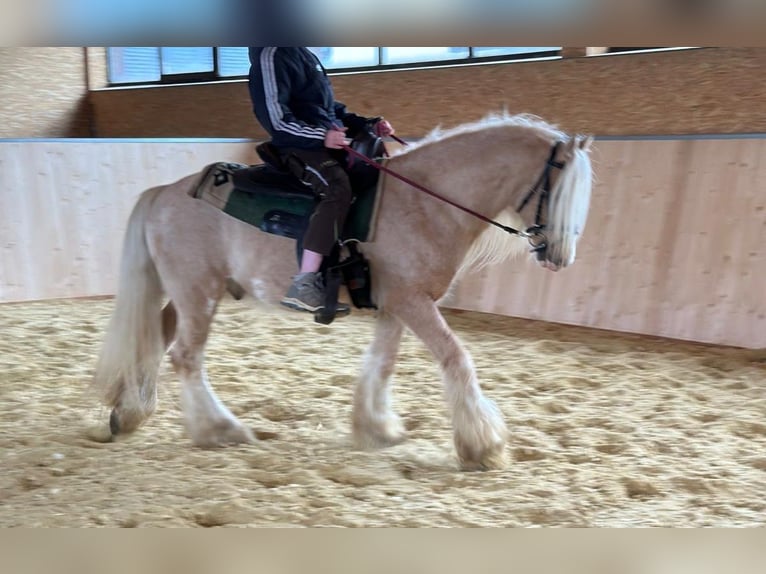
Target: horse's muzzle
550,265
540,251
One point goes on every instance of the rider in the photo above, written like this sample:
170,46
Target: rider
294,102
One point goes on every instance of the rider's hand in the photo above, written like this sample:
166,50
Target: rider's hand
382,128
336,138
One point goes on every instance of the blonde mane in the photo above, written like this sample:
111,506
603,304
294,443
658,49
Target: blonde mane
491,120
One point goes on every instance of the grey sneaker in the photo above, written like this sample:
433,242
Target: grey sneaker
307,294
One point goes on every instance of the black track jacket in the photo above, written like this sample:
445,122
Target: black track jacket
293,98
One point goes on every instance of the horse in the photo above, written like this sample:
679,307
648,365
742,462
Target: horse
181,255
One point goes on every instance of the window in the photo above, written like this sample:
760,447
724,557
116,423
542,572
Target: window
133,65
186,61
155,65
138,65
641,49
342,58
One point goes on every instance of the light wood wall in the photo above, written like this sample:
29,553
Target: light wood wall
44,93
674,244
64,207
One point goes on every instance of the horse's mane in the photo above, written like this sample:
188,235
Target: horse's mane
491,120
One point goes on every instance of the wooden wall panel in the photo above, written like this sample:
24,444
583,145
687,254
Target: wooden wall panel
674,244
65,205
43,93
703,91
710,90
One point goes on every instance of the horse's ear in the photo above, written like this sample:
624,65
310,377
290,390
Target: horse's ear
584,143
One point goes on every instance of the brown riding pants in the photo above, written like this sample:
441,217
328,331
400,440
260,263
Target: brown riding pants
330,182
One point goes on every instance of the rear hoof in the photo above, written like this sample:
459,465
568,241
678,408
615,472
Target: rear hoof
125,421
235,289
99,433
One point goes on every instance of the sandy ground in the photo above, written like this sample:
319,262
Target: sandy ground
607,430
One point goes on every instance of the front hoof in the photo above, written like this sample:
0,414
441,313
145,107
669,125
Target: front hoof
223,433
382,434
480,436
490,458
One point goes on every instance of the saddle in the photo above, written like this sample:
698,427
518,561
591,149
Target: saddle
271,198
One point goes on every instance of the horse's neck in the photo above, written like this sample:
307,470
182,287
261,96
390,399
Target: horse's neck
485,171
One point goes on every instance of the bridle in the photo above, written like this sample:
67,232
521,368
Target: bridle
534,234
543,185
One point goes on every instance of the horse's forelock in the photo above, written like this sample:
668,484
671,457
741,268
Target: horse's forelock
568,207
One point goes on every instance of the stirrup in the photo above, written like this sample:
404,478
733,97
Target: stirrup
324,318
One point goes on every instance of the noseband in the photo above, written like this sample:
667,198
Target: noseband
535,234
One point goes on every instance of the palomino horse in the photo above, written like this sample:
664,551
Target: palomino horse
189,251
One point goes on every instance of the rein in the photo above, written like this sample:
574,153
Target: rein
543,182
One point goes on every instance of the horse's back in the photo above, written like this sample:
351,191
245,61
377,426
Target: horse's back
193,241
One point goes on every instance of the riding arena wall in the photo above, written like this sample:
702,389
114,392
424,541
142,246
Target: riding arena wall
674,241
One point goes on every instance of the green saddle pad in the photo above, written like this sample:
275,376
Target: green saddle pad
274,205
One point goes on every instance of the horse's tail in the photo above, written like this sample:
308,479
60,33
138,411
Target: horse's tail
127,368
